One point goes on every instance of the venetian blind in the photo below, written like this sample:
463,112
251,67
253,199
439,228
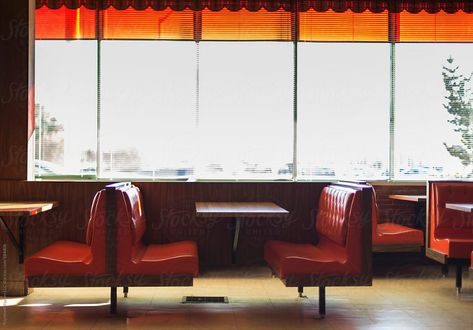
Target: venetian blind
438,27
343,26
65,24
245,25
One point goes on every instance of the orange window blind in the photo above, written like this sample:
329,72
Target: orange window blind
169,24
246,25
64,23
439,27
148,24
344,26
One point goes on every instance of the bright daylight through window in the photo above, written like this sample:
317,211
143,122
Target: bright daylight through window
424,131
165,94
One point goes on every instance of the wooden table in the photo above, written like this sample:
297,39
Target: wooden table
463,207
420,207
410,198
238,211
21,210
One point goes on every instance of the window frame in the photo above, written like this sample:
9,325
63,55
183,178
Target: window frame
393,39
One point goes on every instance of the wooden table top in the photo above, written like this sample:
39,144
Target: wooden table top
239,209
25,208
464,207
409,198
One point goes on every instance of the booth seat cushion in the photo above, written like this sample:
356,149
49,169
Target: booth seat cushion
61,258
287,258
453,248
395,234
136,257
179,258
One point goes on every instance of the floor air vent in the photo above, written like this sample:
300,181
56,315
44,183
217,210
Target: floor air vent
204,300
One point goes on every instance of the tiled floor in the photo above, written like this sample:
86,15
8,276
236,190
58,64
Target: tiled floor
402,297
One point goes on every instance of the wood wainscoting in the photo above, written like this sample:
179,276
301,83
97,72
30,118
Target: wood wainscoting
170,211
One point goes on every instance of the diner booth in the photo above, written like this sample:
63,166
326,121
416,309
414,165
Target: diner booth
236,164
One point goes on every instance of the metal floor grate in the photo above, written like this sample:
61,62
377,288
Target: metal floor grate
204,300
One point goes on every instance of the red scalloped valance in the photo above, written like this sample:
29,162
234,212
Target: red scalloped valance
411,6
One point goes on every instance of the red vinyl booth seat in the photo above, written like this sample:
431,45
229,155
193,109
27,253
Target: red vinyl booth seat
342,255
395,234
73,258
117,218
338,250
288,259
391,236
135,257
451,231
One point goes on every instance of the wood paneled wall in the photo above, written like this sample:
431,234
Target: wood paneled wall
171,217
170,212
16,87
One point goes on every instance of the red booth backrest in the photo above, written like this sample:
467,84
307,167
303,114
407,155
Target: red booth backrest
446,223
340,221
134,204
335,206
96,230
93,215
131,224
374,215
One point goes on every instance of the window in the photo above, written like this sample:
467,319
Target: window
147,117
169,136
250,90
66,103
422,125
245,124
343,110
